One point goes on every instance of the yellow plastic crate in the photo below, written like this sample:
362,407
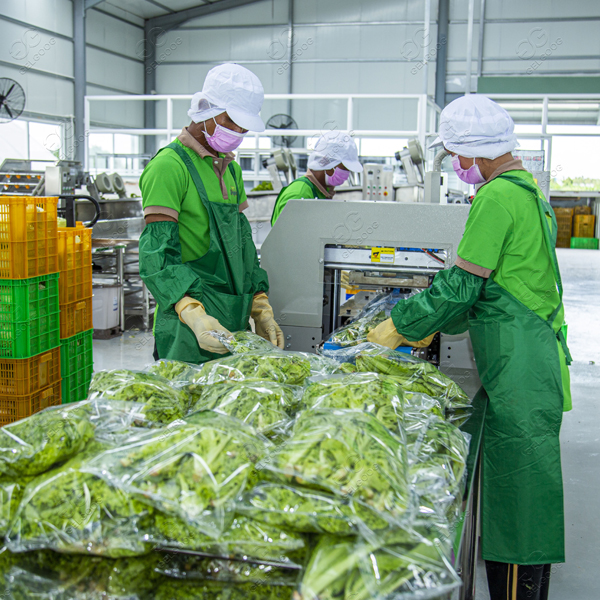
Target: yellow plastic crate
28,237
75,263
28,375
14,408
75,317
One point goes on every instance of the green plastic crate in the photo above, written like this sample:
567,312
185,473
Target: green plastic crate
29,316
76,366
585,243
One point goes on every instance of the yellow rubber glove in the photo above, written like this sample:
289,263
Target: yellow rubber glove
192,313
266,325
385,334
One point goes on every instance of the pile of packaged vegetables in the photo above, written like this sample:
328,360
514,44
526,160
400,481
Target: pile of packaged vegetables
263,475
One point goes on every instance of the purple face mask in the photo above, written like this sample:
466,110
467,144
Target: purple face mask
223,139
471,175
338,177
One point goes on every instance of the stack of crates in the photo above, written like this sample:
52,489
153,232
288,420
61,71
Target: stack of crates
75,296
30,375
564,220
583,229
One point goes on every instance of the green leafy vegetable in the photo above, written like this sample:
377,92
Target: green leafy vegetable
356,332
349,453
170,369
265,405
163,403
281,367
54,435
379,395
176,589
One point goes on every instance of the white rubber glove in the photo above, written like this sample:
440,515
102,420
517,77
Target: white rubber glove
192,313
264,320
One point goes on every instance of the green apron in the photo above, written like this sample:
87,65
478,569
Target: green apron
520,364
305,180
225,272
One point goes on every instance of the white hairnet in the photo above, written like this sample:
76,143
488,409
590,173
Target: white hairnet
332,148
233,89
474,126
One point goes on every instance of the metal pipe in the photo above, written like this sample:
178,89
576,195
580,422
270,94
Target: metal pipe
80,82
480,47
380,268
439,157
290,81
469,46
427,20
441,58
150,85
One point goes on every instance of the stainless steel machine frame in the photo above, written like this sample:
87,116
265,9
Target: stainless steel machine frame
314,241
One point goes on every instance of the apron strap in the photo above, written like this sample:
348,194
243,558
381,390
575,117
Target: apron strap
233,174
546,212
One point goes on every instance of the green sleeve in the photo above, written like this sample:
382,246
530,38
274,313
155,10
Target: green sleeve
258,276
167,278
164,181
488,226
441,307
296,190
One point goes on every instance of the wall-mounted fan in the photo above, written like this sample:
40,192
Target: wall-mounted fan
281,121
12,100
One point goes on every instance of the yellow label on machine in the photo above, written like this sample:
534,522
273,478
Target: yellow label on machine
383,255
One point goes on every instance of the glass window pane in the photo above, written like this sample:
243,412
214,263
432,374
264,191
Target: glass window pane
44,141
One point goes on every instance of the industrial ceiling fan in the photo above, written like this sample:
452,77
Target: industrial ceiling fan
12,100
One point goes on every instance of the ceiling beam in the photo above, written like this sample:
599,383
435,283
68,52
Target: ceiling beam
92,3
172,21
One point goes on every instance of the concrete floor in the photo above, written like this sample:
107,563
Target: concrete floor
580,435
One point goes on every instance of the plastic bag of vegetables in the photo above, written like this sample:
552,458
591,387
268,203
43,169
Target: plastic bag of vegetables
266,405
191,470
169,369
379,395
244,341
32,445
219,569
46,575
414,374
301,509
244,538
280,367
11,493
70,510
348,453
176,589
163,402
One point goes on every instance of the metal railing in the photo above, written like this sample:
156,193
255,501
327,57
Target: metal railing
425,122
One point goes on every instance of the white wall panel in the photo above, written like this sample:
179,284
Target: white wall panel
26,48
55,15
115,72
45,95
102,30
517,9
258,13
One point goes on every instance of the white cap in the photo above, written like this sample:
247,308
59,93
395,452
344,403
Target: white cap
474,126
233,89
333,148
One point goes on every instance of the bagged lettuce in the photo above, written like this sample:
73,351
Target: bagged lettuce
301,509
170,369
372,393
163,402
280,367
33,445
244,538
176,589
191,470
414,374
348,453
11,493
265,405
70,510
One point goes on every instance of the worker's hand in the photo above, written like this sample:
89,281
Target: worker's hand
385,334
192,313
266,326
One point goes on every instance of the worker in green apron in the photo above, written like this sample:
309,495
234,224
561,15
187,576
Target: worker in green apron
505,288
197,256
334,156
